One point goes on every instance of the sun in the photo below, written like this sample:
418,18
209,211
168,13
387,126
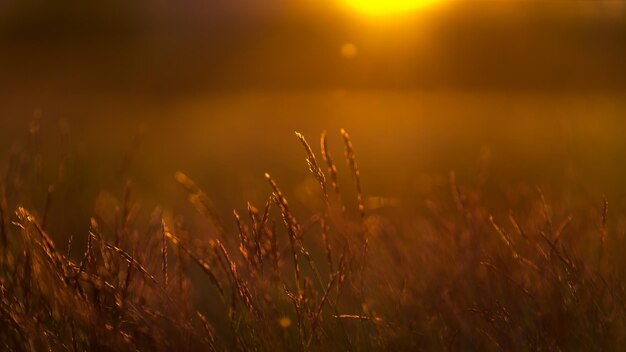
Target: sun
388,7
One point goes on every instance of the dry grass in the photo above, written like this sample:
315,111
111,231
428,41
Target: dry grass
442,276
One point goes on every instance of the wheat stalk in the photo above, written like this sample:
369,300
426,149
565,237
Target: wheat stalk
164,253
332,168
201,202
317,172
354,170
293,229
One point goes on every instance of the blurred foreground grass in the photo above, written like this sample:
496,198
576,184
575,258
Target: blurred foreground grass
516,249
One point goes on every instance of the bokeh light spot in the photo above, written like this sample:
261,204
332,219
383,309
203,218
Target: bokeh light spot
348,50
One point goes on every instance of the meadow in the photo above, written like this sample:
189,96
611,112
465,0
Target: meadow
464,222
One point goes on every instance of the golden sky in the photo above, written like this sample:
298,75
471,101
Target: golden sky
305,44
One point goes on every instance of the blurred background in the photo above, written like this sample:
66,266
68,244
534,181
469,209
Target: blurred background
533,90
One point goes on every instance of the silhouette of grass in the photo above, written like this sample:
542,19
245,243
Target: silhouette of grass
449,276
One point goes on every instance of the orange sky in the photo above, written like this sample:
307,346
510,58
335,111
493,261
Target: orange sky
194,45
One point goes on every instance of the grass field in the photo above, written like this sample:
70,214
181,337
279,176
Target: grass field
436,222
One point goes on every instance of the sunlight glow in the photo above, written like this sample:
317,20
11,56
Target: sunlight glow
388,7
